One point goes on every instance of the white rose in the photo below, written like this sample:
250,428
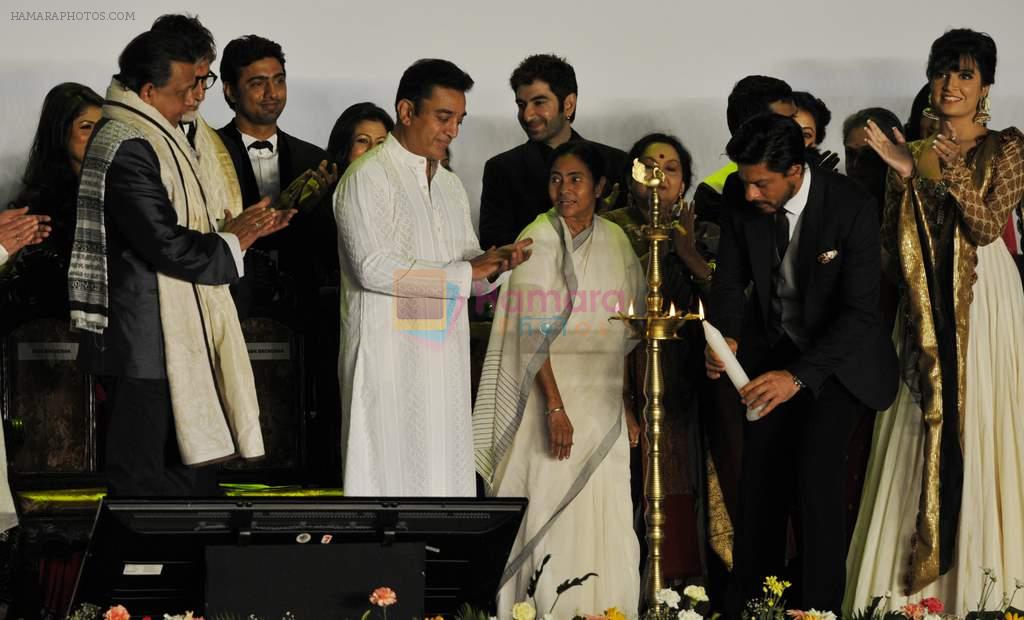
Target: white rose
669,597
696,594
932,617
689,614
523,611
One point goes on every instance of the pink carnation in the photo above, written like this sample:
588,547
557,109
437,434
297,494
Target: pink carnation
913,610
118,612
796,614
933,605
383,597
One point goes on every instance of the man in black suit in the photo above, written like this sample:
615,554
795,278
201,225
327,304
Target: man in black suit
810,337
267,161
114,280
515,183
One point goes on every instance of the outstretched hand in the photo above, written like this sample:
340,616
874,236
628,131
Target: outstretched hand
829,161
326,175
896,155
496,261
608,202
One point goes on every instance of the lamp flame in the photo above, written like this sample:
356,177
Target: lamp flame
700,309
618,308
672,309
630,312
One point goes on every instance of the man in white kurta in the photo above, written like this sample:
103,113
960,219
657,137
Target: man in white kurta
410,260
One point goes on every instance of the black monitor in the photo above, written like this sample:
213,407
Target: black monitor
168,556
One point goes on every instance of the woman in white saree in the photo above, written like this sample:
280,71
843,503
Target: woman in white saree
549,422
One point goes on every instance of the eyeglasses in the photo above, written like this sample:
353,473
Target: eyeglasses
207,80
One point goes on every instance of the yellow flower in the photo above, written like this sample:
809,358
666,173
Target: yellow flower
523,611
1012,616
613,613
775,585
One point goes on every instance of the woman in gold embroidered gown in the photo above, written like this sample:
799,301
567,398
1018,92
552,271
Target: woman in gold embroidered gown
944,494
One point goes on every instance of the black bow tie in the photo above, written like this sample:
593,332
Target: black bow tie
262,144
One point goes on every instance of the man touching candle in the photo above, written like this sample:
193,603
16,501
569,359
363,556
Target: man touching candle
809,335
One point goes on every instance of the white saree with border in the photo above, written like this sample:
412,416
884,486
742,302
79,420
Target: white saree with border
557,305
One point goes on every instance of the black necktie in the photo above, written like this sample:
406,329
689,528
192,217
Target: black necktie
262,144
781,232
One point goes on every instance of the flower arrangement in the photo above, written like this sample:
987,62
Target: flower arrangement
770,605
810,614
931,608
120,612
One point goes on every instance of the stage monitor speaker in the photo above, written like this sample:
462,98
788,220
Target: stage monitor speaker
313,580
153,556
48,402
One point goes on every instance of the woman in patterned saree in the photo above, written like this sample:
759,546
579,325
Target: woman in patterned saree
944,494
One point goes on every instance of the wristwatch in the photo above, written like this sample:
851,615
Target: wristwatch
798,383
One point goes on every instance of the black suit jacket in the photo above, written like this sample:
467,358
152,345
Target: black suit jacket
143,238
307,250
515,188
839,296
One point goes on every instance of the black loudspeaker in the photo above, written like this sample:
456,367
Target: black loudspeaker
48,402
313,580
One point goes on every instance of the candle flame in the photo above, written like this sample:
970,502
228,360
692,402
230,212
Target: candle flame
630,312
618,308
672,309
700,309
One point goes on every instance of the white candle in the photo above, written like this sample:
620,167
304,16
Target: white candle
736,374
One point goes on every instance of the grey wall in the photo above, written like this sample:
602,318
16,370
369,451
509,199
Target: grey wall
642,66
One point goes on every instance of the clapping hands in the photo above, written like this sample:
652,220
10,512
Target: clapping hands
257,221
896,155
19,229
946,146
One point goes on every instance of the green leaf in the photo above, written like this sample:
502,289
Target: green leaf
572,583
532,589
468,612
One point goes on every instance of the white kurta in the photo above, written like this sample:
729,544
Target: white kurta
404,247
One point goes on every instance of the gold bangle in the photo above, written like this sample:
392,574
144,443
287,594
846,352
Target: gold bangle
548,412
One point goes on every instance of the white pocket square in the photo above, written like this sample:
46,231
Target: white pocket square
827,257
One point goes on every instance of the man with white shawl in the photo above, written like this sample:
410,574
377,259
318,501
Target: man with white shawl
148,280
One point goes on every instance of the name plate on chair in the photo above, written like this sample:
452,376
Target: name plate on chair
269,351
47,351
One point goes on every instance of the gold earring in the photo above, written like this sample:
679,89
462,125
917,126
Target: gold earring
929,110
982,117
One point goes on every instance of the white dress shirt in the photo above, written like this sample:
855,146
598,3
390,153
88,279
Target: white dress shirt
264,166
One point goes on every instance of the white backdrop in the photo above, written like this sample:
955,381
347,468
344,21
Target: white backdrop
665,65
